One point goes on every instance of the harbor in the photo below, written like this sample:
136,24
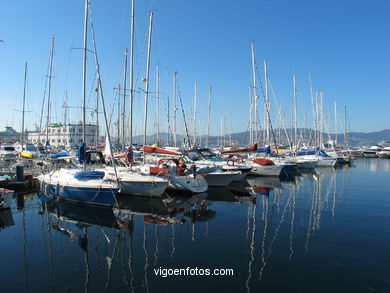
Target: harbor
196,146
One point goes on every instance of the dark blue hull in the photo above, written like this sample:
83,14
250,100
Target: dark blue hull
98,196
288,169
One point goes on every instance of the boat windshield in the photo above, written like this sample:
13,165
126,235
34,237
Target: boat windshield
8,148
31,148
208,155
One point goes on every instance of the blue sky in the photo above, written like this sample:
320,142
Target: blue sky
344,45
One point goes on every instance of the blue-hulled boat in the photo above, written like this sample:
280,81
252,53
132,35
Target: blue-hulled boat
75,185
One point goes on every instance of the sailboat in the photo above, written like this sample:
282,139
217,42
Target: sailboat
81,185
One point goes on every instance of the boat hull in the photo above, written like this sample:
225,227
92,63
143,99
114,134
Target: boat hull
89,195
217,179
383,155
289,169
326,162
370,154
270,170
188,183
147,189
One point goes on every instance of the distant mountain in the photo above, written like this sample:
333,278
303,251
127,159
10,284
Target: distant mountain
242,138
369,138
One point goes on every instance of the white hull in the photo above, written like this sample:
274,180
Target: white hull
271,170
326,162
320,161
370,154
134,183
65,177
383,154
148,189
223,178
188,183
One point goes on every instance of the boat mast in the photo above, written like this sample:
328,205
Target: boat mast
169,123
230,132
335,123
101,95
97,115
147,77
209,118
322,119
267,106
317,121
66,115
250,116
24,102
313,109
222,141
295,111
84,82
158,103
131,72
119,116
254,90
345,126
124,98
174,109
49,91
195,94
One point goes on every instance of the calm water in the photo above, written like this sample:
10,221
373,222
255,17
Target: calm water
324,231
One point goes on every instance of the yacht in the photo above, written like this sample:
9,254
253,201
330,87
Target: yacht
372,151
384,154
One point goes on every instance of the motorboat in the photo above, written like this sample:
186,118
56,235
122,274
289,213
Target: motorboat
207,156
372,151
219,178
181,177
384,154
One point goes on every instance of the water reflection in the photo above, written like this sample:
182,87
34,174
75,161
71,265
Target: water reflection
264,228
6,218
74,220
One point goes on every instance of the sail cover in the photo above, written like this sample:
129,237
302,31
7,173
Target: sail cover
242,150
81,152
155,150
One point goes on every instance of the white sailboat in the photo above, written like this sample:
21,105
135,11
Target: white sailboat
81,185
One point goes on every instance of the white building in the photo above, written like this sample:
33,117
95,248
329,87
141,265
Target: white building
64,135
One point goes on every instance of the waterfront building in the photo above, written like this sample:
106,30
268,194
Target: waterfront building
64,135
